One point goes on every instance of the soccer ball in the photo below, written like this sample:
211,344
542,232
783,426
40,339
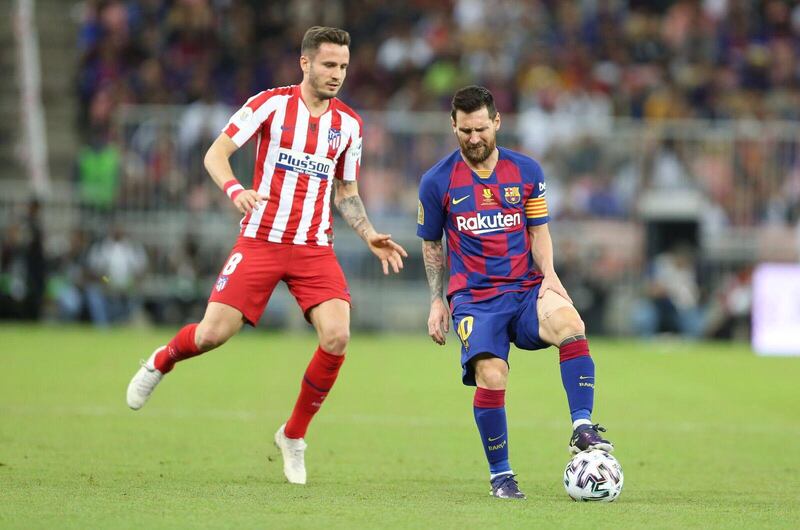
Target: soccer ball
593,475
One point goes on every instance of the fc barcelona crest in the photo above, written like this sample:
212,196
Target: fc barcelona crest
334,138
512,195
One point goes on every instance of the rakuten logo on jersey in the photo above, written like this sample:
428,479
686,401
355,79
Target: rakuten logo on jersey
482,224
300,162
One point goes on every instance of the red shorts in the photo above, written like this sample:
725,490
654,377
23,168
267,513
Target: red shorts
255,267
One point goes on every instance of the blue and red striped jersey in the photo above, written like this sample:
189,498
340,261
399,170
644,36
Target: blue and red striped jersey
485,221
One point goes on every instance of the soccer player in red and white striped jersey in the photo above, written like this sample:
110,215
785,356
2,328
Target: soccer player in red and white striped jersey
308,147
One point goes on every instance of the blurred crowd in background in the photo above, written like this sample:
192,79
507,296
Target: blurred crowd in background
567,69
715,59
571,73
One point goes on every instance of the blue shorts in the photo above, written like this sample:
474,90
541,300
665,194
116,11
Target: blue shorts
490,326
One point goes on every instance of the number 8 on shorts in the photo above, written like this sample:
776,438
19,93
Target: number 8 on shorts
233,261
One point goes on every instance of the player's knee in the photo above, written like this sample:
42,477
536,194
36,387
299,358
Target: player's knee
491,375
492,379
334,340
210,337
568,323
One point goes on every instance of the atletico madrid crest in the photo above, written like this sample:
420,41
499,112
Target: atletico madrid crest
334,138
222,281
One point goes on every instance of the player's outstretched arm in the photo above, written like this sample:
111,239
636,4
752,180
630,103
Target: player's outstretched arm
349,204
438,318
217,163
542,250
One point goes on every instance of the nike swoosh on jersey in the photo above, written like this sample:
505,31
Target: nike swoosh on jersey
456,201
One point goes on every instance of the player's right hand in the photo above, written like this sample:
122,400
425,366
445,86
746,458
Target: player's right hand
438,322
248,200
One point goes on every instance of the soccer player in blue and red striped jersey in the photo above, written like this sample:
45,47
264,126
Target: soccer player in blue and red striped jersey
490,202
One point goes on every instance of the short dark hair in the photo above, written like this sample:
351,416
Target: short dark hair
472,98
317,35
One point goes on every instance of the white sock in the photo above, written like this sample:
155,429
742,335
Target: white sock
494,476
577,423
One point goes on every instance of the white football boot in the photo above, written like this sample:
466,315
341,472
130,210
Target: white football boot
144,382
293,451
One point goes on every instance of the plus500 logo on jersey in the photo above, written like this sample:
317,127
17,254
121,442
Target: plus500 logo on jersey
300,162
482,224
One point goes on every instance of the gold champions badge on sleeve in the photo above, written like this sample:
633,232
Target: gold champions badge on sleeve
420,214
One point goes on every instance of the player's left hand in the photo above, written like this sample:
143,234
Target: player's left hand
553,283
438,321
389,252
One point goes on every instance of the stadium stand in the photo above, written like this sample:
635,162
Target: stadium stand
659,124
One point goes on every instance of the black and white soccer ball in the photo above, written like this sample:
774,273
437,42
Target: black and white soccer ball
593,475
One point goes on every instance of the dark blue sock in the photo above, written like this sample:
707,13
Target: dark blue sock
577,375
490,416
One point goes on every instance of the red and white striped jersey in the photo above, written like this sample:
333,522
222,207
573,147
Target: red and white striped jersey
297,155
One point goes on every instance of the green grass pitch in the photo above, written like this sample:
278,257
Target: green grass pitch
708,436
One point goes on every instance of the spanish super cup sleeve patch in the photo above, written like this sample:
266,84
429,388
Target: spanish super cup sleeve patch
245,114
420,213
354,151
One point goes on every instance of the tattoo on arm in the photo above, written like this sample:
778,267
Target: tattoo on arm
433,256
353,211
574,338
